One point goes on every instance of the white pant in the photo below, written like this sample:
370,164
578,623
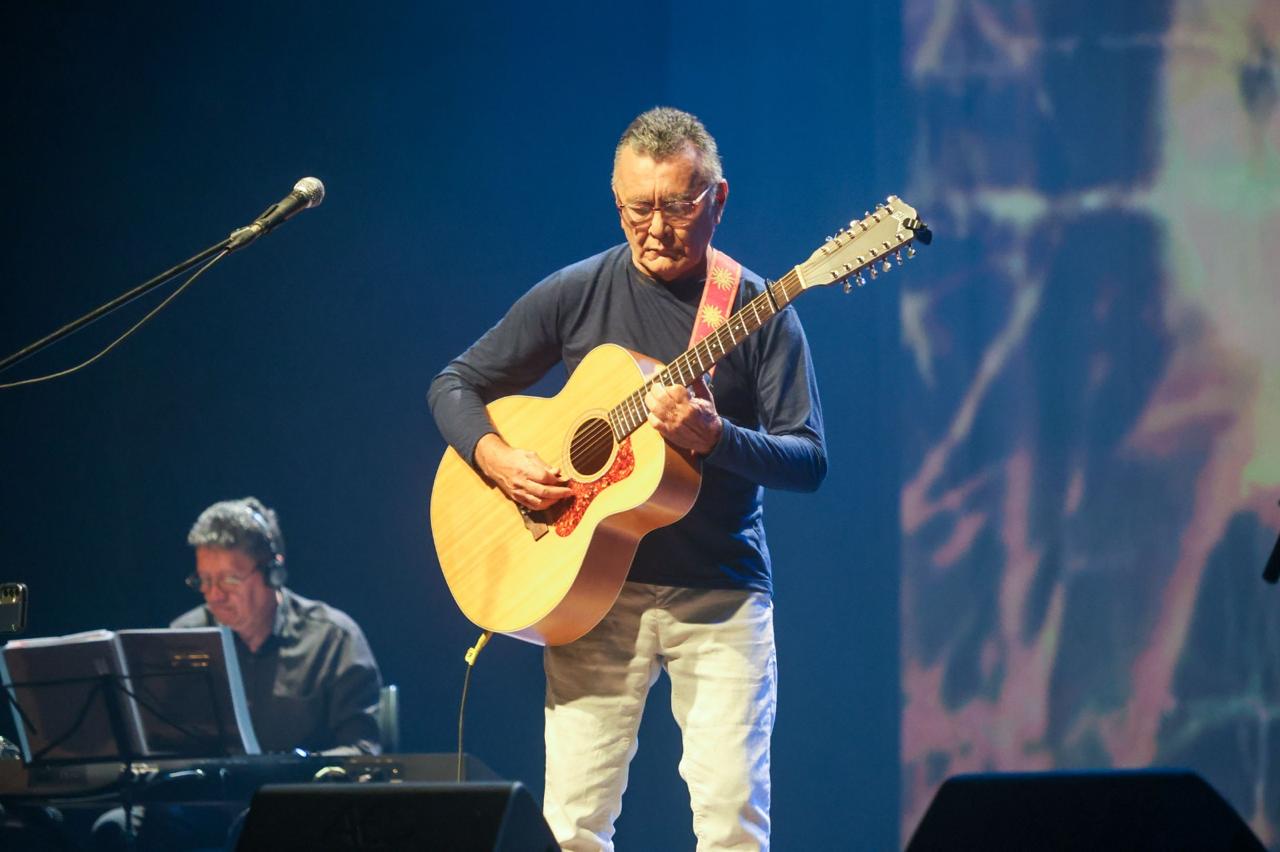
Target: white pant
717,648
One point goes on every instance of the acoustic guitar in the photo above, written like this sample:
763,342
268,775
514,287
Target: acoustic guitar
548,577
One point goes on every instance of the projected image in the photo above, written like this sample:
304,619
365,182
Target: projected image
1092,396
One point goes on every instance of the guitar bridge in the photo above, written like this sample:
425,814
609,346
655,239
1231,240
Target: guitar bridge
534,522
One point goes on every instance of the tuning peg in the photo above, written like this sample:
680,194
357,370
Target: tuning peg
872,270
886,266
847,287
911,252
897,255
861,280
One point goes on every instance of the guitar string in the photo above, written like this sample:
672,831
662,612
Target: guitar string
599,436
681,368
625,417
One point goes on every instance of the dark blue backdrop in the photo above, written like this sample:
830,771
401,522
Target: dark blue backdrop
466,150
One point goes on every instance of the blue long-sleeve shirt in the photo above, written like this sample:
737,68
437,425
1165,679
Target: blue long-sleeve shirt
764,391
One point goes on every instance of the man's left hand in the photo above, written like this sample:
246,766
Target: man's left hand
687,420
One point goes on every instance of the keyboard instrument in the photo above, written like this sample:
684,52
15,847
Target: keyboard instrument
224,779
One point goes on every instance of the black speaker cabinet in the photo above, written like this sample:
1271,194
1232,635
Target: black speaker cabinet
1166,810
470,817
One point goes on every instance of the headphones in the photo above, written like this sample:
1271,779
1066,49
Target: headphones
273,569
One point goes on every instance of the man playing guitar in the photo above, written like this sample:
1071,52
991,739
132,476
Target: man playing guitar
697,599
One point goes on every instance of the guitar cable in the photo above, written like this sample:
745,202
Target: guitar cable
472,653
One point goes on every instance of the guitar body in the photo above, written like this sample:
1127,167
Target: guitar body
551,584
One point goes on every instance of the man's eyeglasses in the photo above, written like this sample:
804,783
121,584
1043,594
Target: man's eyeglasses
676,211
227,582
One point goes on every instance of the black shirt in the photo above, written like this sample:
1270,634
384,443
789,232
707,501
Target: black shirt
313,684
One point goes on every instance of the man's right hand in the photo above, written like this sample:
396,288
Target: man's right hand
520,474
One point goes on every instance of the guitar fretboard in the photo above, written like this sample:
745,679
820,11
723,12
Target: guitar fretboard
628,415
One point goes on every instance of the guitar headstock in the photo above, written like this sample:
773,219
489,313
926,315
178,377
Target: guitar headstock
866,244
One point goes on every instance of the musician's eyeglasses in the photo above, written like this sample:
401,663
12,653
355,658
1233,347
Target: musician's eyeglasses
227,582
676,211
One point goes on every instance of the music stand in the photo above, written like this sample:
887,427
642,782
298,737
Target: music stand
118,697
190,696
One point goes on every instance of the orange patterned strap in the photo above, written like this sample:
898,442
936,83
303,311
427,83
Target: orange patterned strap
723,276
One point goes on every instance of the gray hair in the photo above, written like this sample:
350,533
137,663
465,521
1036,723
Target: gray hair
245,525
662,132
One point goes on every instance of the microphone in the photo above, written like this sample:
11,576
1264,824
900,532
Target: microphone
308,192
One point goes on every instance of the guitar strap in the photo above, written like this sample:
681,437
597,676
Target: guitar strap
723,276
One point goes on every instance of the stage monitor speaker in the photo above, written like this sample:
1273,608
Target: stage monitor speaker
395,817
1128,810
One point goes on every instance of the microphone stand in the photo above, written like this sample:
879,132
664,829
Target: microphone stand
308,192
119,301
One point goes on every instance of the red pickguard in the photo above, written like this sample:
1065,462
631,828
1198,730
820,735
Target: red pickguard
568,512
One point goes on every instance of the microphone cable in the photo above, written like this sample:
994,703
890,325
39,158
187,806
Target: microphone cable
470,657
113,344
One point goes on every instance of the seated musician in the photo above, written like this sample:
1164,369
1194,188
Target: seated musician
309,675
310,678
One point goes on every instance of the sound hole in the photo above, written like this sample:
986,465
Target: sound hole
591,447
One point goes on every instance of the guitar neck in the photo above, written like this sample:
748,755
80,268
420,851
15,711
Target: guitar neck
628,415
864,244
